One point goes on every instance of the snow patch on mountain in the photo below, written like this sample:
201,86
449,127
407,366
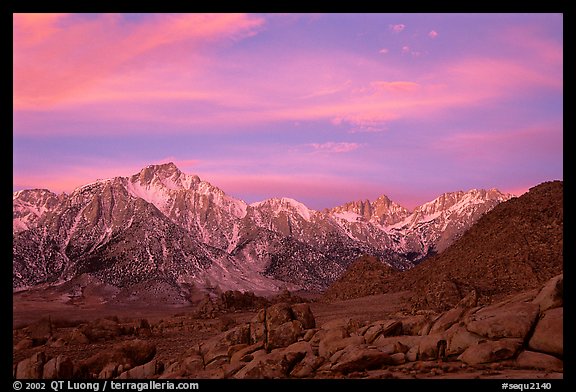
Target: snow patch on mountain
152,194
285,204
348,216
162,222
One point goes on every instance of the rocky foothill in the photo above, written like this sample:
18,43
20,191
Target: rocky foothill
516,246
517,337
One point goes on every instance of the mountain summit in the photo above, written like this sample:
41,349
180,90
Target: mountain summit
516,246
163,225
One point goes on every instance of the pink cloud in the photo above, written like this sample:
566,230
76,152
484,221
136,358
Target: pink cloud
399,86
335,147
500,77
364,106
384,51
122,78
53,63
501,145
368,122
534,44
433,34
34,28
323,91
405,49
397,28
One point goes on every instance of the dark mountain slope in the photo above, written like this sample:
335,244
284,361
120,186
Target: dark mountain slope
516,246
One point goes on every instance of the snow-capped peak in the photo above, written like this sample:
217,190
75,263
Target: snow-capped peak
459,199
161,185
285,204
381,211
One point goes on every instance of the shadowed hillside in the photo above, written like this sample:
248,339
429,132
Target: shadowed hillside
515,247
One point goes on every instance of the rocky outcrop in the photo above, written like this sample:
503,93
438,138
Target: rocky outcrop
282,345
491,351
129,359
102,330
548,335
551,296
535,360
516,246
504,320
31,368
58,367
284,341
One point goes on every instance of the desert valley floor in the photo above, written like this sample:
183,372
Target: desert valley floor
164,341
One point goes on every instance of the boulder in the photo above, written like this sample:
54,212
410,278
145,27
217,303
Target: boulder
137,352
412,354
447,319
307,366
347,323
24,344
329,346
534,360
101,330
413,325
78,337
238,335
331,334
552,294
397,359
58,367
548,335
432,347
402,343
511,320
301,347
491,351
235,348
109,371
230,369
257,330
360,358
192,364
303,313
284,334
277,315
40,331
470,300
57,343
214,349
31,368
243,355
309,334
132,353
148,370
459,339
264,366
382,328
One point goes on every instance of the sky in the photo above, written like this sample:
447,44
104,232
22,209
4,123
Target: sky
322,108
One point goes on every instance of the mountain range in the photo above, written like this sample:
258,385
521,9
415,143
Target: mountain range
163,228
515,247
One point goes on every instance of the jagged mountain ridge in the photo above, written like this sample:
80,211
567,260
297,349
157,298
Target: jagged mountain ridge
161,221
518,245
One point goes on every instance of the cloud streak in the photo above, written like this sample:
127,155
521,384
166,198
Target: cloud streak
335,147
287,96
59,57
397,28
